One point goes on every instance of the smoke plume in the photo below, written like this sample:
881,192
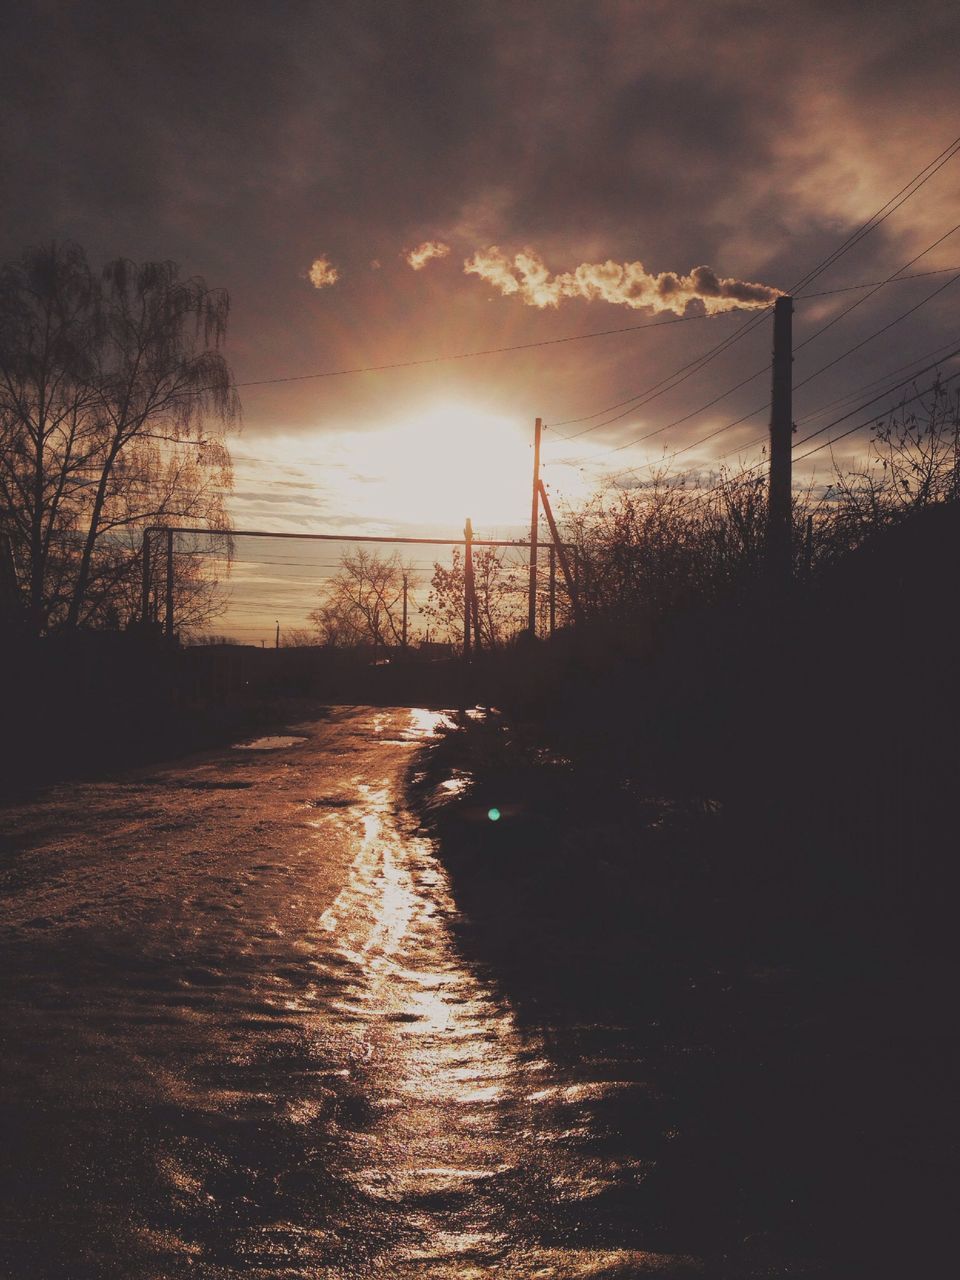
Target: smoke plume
322,273
419,257
626,284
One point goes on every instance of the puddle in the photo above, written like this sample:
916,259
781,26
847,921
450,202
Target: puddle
273,742
426,724
457,785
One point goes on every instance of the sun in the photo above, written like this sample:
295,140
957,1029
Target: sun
423,472
439,465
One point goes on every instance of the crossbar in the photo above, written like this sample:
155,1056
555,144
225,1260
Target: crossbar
343,537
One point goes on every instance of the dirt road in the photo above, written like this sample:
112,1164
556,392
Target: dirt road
240,1040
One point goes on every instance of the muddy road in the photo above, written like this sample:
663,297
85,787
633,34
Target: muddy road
256,1022
240,1039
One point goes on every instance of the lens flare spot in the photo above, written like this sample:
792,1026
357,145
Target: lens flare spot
493,815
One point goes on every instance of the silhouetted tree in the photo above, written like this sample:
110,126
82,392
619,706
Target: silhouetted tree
112,393
362,603
298,638
500,590
652,549
913,462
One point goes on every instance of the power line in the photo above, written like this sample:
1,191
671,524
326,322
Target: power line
896,278
810,377
919,180
860,425
926,355
880,395
918,395
827,443
658,388
757,373
895,202
852,394
836,421
676,422
469,355
877,332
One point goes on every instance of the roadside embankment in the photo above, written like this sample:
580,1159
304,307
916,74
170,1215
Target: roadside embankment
809,1064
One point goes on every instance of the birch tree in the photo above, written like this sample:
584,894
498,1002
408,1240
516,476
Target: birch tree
114,396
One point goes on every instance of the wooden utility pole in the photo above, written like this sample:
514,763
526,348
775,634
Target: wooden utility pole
403,633
467,586
276,642
145,579
534,519
168,623
477,634
561,554
780,497
553,588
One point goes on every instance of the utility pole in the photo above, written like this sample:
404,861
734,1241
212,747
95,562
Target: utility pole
403,633
145,580
467,585
568,577
553,589
534,518
276,643
168,624
780,497
475,611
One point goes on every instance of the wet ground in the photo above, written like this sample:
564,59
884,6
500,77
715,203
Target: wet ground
245,1035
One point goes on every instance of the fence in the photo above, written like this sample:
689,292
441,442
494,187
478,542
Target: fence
428,596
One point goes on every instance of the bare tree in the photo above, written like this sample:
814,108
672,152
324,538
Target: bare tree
298,638
500,589
635,547
363,602
113,393
914,462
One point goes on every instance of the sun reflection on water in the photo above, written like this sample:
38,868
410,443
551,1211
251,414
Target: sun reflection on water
457,1093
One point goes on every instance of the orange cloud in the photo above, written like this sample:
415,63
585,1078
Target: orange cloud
423,253
322,273
626,284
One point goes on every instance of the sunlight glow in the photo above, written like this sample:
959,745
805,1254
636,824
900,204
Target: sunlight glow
431,467
442,465
425,470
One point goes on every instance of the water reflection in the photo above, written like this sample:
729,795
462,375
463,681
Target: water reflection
474,1141
272,742
245,1076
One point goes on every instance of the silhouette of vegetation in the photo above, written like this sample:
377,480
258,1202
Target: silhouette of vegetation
112,393
500,595
913,463
649,552
298,638
362,604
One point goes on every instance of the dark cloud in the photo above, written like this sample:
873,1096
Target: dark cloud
247,141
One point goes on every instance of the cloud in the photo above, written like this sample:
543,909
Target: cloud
419,257
626,284
323,273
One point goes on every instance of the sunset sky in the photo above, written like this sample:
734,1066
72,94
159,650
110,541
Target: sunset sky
376,183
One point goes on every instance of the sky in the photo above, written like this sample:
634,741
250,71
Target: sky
376,183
